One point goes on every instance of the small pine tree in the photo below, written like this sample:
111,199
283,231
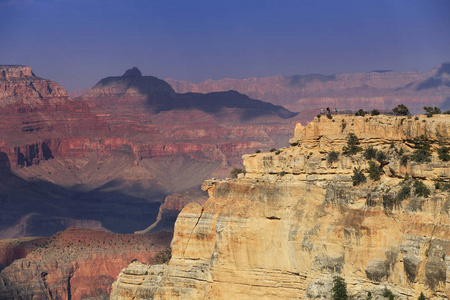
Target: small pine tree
352,145
444,153
422,297
370,152
358,177
374,171
339,289
333,156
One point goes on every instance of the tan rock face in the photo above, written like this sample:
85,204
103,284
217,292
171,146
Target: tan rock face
295,220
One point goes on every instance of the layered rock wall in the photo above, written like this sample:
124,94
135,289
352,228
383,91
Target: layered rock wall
295,220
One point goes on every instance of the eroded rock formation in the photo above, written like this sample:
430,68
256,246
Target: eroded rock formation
110,157
297,218
72,264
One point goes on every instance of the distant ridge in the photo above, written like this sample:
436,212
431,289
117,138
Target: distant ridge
160,96
377,89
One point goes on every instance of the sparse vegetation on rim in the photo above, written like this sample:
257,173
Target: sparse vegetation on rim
236,171
401,110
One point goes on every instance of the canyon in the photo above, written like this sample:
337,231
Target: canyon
72,264
91,183
300,216
80,176
379,89
107,160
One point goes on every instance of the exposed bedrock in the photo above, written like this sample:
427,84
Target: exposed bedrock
295,220
72,264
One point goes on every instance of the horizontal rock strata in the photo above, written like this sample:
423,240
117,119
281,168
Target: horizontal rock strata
295,220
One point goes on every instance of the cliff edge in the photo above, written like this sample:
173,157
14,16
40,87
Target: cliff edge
367,201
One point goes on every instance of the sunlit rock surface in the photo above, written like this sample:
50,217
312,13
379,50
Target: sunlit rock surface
295,220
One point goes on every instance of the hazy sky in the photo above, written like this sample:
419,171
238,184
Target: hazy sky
78,42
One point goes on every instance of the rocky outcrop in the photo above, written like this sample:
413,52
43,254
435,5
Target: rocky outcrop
382,89
169,210
297,218
73,264
18,83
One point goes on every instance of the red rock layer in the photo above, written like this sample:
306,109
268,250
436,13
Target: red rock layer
74,264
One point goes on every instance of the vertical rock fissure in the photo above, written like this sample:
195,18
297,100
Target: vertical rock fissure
198,220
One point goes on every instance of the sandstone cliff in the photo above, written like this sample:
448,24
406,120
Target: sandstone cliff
297,218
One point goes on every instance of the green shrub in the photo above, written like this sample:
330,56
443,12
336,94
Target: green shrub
447,112
430,111
258,151
352,145
421,297
375,112
162,257
401,152
339,290
404,193
343,125
318,116
388,294
374,171
358,177
370,153
273,149
404,160
235,171
381,156
360,112
329,116
420,189
423,149
444,153
277,152
282,173
333,156
401,110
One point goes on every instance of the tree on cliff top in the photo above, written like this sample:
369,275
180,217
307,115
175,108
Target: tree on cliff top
401,110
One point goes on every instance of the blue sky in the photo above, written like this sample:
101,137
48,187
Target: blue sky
76,43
